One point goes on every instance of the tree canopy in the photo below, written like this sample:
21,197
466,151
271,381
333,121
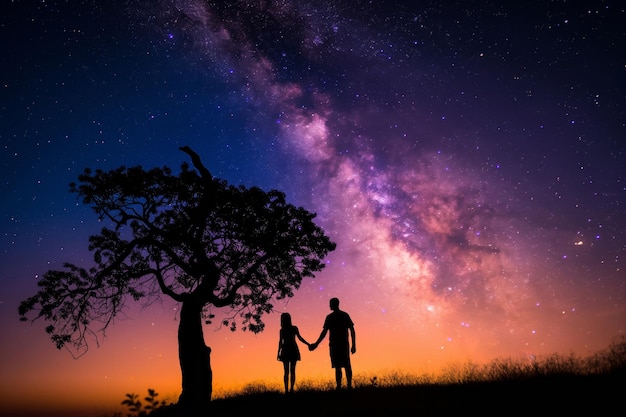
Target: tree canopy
191,237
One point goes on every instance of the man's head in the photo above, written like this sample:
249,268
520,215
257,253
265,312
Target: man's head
334,304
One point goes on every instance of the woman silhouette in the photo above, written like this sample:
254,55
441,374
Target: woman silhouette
288,352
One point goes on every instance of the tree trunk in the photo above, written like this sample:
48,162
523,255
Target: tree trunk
195,360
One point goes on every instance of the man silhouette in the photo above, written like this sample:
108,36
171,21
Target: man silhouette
338,324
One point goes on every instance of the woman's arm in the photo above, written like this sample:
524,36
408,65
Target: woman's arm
301,338
280,344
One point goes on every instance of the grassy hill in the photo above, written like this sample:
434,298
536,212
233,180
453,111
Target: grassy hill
586,395
551,385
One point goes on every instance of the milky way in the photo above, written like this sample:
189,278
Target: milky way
438,154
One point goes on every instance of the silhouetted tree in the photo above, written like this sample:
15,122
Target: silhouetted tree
192,237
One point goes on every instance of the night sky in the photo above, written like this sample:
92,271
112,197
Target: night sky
467,157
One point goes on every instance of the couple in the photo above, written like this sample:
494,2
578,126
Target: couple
337,324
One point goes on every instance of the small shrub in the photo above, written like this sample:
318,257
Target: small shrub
135,407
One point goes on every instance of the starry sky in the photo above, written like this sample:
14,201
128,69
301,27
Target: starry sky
467,157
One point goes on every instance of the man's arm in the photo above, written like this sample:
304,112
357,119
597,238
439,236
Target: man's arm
353,335
319,339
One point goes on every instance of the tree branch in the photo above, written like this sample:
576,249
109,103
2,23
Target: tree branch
197,163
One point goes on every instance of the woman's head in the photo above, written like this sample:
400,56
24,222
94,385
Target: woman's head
285,320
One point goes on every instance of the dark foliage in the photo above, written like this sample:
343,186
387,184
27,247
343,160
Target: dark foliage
190,234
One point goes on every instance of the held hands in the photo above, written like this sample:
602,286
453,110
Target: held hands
313,346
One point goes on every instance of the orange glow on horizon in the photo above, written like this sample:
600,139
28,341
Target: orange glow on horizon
131,360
